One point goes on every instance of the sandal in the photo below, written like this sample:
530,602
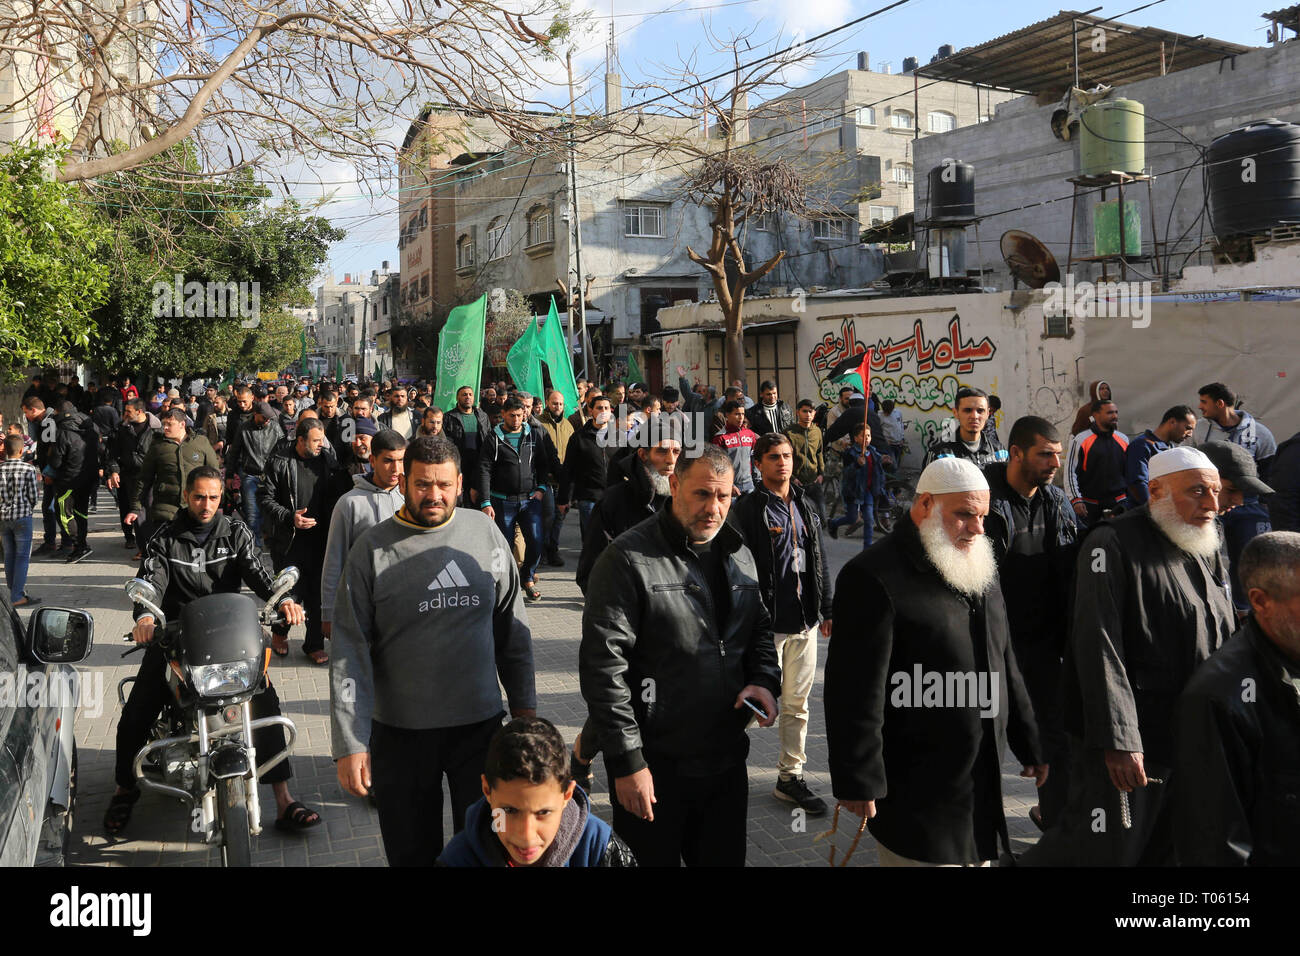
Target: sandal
119,811
319,658
532,592
1036,817
280,645
26,601
297,817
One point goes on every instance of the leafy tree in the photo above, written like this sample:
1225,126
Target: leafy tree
220,234
52,275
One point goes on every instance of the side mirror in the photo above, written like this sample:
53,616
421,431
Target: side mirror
58,635
282,585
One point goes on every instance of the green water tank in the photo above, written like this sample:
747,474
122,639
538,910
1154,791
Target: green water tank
1105,228
1112,138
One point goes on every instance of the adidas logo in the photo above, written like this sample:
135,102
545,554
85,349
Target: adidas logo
449,577
448,584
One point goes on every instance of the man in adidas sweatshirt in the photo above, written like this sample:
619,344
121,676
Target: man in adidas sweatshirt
375,496
428,617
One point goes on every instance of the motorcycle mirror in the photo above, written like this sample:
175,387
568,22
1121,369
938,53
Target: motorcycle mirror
287,578
142,591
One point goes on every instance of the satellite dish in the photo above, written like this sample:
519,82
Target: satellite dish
1028,259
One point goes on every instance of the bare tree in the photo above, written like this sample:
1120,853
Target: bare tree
255,84
734,176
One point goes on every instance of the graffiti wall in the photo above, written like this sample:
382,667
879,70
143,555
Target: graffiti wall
921,368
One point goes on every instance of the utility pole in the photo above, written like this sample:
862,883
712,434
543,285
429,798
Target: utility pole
577,229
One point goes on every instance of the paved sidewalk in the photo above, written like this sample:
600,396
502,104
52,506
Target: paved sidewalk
159,834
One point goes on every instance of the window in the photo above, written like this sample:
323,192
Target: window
941,122
540,227
424,287
464,253
902,172
1057,326
879,214
828,229
765,222
498,238
901,119
643,221
866,116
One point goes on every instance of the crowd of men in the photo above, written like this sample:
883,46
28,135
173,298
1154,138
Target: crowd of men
1102,630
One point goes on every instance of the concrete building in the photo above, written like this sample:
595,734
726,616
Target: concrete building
1021,167
864,124
42,95
340,306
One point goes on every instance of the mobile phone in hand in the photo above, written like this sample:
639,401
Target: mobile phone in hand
749,702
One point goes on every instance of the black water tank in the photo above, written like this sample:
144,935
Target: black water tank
909,64
1270,196
952,191
945,51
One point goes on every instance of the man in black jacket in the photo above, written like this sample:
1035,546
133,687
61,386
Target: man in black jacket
296,498
199,552
126,454
922,689
467,427
1237,727
75,463
769,413
675,639
1033,531
247,460
784,533
516,458
43,428
637,487
1152,601
586,463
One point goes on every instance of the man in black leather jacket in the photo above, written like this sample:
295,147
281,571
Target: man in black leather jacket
296,498
199,552
1237,726
675,638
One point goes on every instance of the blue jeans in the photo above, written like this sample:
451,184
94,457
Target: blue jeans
248,500
585,508
16,533
528,514
552,521
851,511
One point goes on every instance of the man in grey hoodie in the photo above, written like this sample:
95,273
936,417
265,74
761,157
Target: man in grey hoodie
375,496
429,616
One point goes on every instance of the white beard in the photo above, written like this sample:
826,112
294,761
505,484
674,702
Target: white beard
658,483
1200,542
968,572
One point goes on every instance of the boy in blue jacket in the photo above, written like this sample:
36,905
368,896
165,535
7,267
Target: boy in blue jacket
532,812
862,480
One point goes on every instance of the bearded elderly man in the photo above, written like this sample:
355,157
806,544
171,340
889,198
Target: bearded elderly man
1152,602
922,689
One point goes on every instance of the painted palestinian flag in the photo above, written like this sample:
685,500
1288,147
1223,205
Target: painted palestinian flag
856,366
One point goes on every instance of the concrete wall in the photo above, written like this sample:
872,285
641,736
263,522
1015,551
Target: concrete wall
925,349
1018,161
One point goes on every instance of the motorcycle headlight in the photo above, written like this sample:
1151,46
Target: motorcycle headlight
222,680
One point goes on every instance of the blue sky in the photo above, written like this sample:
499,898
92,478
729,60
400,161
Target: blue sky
655,35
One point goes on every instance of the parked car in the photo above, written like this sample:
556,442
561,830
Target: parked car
38,705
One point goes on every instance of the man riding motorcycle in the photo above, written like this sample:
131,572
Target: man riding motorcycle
199,552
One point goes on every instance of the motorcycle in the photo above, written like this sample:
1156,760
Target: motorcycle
201,748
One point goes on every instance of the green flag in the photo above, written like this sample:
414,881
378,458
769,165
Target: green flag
227,381
460,351
633,370
338,370
303,369
525,359
555,353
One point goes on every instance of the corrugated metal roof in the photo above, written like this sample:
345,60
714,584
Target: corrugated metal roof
1039,58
